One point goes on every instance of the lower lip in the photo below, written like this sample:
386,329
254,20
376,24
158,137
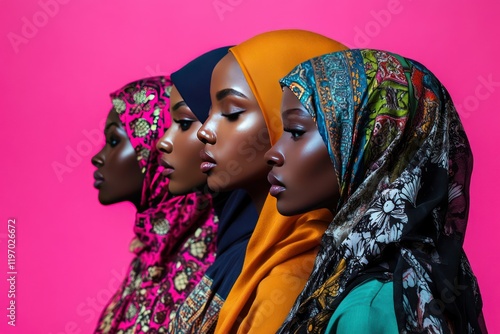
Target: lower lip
167,171
97,183
207,166
276,190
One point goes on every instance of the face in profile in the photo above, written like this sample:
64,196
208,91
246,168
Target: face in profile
302,177
235,133
181,148
118,176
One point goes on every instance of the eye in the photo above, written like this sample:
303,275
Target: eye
112,141
295,133
184,124
232,116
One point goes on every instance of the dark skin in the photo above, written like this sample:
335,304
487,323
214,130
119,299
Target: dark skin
181,148
235,135
303,177
118,176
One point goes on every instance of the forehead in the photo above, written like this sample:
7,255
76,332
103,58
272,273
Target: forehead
113,117
174,94
290,101
228,73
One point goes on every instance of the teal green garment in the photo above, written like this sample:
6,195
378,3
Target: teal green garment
368,308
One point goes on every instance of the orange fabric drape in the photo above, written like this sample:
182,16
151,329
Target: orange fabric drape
281,252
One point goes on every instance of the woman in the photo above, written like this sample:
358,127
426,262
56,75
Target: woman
166,266
190,101
391,260
243,122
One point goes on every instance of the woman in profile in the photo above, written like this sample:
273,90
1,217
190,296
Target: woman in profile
244,121
375,138
175,235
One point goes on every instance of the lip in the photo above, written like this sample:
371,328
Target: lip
98,179
167,168
276,185
208,162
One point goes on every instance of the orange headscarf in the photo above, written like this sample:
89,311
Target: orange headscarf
281,252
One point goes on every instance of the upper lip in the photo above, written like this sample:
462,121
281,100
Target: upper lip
206,157
98,176
274,180
165,163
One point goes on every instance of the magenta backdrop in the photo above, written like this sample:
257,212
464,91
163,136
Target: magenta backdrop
61,58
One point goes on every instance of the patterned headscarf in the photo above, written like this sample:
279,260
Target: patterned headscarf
403,163
175,236
279,245
236,212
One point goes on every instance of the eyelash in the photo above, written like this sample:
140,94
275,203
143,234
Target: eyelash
112,141
184,124
232,116
295,134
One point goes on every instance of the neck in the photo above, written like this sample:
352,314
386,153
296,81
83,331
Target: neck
258,193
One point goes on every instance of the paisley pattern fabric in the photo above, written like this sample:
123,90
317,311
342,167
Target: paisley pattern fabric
175,236
403,164
237,214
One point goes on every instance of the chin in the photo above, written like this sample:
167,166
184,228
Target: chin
286,210
217,185
105,201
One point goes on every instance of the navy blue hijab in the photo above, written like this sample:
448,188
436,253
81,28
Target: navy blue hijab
235,210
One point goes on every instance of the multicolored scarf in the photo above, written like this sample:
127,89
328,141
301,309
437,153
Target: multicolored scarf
236,212
403,163
175,236
281,251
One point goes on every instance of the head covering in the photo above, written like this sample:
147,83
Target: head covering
282,249
193,81
175,236
236,212
403,163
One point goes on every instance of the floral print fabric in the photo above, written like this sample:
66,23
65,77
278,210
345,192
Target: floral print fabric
403,163
175,236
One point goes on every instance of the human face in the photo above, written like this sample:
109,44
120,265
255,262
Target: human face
302,177
235,134
181,148
118,176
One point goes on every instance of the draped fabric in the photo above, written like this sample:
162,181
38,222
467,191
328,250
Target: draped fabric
193,81
403,164
175,236
282,249
236,212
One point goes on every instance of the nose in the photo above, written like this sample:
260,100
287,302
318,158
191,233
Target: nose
98,159
165,145
205,134
274,157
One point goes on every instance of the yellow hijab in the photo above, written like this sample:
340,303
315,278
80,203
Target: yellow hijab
281,252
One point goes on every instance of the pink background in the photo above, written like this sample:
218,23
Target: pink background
61,58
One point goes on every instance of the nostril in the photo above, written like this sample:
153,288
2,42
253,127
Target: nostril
97,162
271,162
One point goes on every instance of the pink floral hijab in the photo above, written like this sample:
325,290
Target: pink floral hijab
175,236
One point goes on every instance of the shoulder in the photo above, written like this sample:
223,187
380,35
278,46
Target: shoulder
368,308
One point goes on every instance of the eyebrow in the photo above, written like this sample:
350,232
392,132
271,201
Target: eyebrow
229,91
110,125
296,112
178,105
